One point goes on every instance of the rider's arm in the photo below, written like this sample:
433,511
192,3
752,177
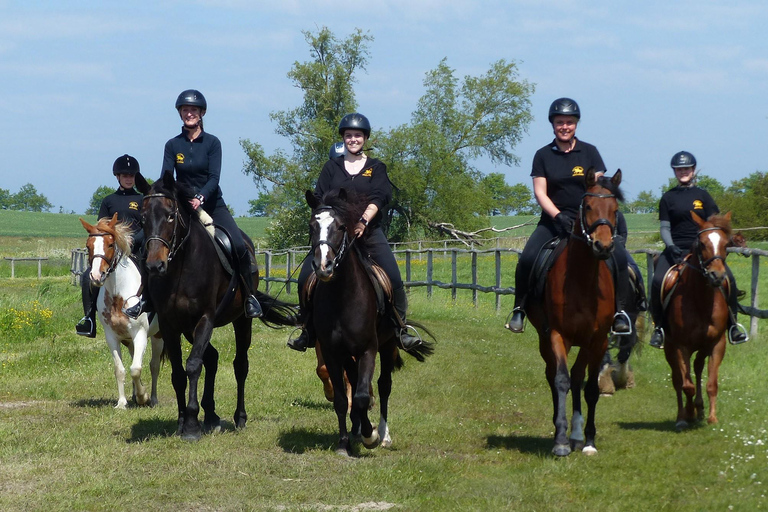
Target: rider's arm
540,192
666,233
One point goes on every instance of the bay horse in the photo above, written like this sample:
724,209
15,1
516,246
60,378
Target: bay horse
696,319
112,269
577,311
349,326
193,293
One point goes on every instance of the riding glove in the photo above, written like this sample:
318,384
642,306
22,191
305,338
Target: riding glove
563,224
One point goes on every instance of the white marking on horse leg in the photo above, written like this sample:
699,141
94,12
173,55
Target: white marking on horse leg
577,427
589,450
139,347
373,441
386,440
114,349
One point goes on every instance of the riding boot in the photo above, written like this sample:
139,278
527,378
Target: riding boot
251,304
657,338
517,323
407,340
87,325
622,325
144,304
737,333
306,337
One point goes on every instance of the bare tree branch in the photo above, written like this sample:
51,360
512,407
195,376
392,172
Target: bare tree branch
471,236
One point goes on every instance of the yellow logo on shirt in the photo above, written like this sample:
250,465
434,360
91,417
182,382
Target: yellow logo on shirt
133,205
368,172
698,205
179,158
577,171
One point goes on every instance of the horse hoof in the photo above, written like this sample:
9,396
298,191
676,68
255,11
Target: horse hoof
191,437
577,444
589,450
681,425
386,442
373,441
121,405
561,450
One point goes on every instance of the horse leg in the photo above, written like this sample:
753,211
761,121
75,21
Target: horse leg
678,364
591,396
322,373
201,338
554,354
340,405
178,376
137,349
384,384
350,384
211,421
718,353
154,366
117,360
578,371
698,368
362,397
243,329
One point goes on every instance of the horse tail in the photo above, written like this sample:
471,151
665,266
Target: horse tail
425,348
276,312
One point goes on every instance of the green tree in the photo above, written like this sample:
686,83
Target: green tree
29,200
747,200
259,207
96,199
455,121
711,185
645,202
327,84
5,199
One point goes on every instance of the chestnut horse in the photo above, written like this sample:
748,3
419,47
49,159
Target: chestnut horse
577,311
349,326
696,319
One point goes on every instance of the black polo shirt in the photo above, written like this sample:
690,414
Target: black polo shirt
197,164
565,173
675,206
127,205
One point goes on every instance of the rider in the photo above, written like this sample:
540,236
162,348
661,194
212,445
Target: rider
196,156
679,233
354,170
126,202
558,185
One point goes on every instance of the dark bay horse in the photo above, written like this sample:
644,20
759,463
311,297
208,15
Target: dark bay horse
349,327
696,319
577,311
193,293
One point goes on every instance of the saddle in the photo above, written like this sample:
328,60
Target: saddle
543,263
379,279
222,241
672,278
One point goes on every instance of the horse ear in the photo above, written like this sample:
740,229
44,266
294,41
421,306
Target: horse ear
590,177
616,179
88,227
168,179
311,199
113,220
727,216
142,185
698,220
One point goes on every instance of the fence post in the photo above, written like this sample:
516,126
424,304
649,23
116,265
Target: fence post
755,276
429,272
288,268
497,257
267,267
474,277
454,278
649,280
408,267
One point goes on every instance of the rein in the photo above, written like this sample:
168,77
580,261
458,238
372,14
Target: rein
586,231
173,248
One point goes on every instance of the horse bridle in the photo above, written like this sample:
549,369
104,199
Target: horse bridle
112,263
586,232
173,248
704,264
343,246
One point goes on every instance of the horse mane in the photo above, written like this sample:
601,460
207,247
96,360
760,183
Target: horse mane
121,231
350,209
605,182
721,222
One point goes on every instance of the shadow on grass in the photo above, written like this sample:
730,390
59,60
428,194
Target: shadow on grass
94,403
300,441
151,428
541,446
660,426
312,404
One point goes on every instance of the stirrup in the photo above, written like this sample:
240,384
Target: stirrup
621,314
298,342
409,341
739,330
252,307
134,311
658,332
86,327
517,327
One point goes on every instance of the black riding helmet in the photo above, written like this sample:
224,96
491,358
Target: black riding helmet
683,159
564,107
355,121
125,164
193,98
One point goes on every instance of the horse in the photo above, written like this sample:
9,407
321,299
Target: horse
577,309
114,270
696,318
349,327
193,292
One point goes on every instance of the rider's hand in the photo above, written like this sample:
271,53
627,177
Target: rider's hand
676,253
195,202
563,224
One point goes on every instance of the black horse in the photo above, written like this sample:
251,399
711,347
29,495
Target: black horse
350,326
193,293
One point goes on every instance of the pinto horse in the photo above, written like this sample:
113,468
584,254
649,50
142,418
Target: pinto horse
193,293
696,319
577,310
117,274
349,328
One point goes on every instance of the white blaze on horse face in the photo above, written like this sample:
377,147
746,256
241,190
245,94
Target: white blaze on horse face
324,221
98,250
714,237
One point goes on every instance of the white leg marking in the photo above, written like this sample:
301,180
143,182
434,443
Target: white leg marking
386,440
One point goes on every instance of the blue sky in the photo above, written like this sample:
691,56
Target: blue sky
82,82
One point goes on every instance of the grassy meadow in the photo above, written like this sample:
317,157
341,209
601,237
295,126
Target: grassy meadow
471,427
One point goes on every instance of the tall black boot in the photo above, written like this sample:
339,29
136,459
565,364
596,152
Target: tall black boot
737,333
407,340
306,337
657,338
251,303
144,305
516,324
87,325
622,324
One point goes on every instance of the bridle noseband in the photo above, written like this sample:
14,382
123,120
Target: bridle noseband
173,248
587,231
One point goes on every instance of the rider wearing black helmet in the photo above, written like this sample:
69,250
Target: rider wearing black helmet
679,233
126,202
355,171
195,155
558,184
